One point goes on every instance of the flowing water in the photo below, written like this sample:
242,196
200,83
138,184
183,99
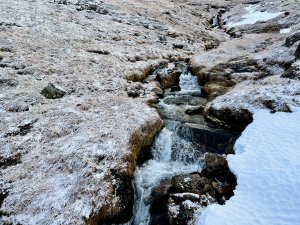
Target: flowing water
172,154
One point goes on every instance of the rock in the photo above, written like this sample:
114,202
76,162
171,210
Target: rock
8,82
293,72
184,100
213,161
195,110
211,139
297,52
155,87
216,168
192,183
176,200
292,39
135,89
169,76
216,79
51,92
234,118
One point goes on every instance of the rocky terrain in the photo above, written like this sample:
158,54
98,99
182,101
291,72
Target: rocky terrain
74,112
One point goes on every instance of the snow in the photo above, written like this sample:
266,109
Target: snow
253,16
267,165
285,31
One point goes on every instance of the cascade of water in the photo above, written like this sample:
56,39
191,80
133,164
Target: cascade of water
162,166
172,155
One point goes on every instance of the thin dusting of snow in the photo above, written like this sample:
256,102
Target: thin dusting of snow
252,95
267,168
253,15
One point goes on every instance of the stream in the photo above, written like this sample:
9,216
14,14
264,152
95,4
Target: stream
180,146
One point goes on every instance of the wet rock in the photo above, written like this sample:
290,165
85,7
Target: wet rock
234,118
195,110
216,168
159,206
125,192
193,183
169,76
52,92
184,100
293,72
292,39
177,199
211,139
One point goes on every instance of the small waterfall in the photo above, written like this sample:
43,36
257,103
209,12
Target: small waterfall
167,161
180,146
172,155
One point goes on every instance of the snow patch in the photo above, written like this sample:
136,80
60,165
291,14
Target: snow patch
285,31
253,16
267,167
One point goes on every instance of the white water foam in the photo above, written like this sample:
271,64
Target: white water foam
162,166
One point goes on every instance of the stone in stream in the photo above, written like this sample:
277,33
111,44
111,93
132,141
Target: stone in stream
212,139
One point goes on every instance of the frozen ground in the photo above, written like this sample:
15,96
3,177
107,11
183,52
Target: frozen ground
267,166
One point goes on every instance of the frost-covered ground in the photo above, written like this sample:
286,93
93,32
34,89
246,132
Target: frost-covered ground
267,166
59,157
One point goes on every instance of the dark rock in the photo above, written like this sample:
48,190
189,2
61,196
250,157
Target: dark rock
195,110
51,92
176,88
21,130
297,52
100,52
11,161
232,118
125,192
169,79
9,82
212,139
193,183
216,168
159,203
179,46
293,72
97,9
292,39
175,201
184,100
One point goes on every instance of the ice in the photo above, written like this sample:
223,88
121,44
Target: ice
253,16
267,166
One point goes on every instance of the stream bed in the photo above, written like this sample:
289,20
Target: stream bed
178,149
